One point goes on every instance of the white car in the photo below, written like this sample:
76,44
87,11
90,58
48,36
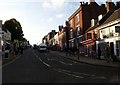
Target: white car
42,47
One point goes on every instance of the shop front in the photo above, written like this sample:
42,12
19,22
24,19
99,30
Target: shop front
89,48
114,44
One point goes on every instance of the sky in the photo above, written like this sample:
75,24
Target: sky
39,17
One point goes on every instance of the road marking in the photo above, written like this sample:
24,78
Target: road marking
76,72
65,63
46,64
99,77
61,71
79,75
35,55
82,73
42,61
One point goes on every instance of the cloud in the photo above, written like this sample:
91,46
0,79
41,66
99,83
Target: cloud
50,19
46,4
53,3
60,15
57,3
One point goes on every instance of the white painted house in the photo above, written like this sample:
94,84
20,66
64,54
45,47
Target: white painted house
109,32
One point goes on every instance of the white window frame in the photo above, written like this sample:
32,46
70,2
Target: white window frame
70,23
71,33
77,18
78,30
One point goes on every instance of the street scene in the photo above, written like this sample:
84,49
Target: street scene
71,42
46,67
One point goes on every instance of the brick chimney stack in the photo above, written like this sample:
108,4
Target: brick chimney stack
92,0
110,6
118,5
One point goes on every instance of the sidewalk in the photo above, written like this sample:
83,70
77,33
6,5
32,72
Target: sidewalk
88,60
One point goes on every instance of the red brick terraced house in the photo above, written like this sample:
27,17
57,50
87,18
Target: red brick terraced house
62,38
80,21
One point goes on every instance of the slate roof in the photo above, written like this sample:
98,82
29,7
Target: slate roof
115,15
108,17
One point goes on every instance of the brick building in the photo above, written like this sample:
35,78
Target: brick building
80,21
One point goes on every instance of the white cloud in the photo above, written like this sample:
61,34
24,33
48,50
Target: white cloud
46,4
60,15
57,3
50,19
53,3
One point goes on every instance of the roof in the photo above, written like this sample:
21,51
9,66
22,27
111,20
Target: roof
114,16
108,17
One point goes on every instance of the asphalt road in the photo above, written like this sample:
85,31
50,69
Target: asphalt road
44,67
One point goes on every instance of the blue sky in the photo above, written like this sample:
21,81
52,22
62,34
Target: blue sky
39,17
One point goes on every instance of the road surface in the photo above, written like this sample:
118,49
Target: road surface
44,67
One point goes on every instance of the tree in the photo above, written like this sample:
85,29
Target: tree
15,28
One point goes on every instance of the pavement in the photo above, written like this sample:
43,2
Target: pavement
88,60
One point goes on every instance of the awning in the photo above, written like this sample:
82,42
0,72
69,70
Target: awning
88,42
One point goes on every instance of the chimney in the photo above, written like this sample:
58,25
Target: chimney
53,31
110,6
92,0
118,5
60,27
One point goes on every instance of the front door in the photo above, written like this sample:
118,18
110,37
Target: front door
112,47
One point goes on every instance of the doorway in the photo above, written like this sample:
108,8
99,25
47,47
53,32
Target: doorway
112,47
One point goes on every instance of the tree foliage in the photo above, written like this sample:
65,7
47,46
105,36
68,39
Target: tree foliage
15,28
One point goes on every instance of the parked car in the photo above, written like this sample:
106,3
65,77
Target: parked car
42,47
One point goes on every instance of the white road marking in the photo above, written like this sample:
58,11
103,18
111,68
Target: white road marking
99,77
42,61
35,55
65,63
69,73
46,64
77,74
82,73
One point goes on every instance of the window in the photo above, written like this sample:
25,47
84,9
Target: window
78,30
105,33
89,35
118,48
70,23
117,29
71,34
95,34
77,18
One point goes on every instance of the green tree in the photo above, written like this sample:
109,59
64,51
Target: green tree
15,28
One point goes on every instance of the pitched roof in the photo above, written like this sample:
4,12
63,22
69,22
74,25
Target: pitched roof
108,17
114,16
